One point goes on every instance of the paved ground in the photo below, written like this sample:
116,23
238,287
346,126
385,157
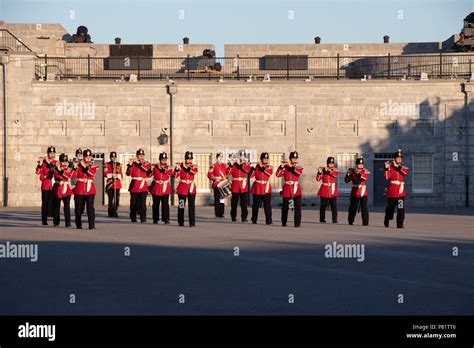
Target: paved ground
274,262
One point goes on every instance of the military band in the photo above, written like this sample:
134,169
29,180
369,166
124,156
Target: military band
64,178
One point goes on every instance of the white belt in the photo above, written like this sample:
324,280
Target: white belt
65,184
139,178
267,182
295,185
161,182
244,181
401,183
332,185
362,189
191,187
89,183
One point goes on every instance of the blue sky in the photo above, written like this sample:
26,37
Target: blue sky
247,21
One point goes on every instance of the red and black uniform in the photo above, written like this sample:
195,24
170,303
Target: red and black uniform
45,171
62,191
239,173
396,191
113,184
139,172
217,173
261,190
328,191
186,190
359,193
160,190
84,192
291,192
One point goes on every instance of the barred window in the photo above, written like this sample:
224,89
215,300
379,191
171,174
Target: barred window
275,161
344,162
422,171
203,161
124,158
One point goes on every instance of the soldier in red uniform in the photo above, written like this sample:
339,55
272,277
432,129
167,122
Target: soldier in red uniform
395,172
186,188
239,171
113,183
139,170
63,173
261,189
75,161
359,193
291,193
85,191
160,189
218,172
328,190
45,171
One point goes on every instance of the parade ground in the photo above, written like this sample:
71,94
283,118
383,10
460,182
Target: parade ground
225,268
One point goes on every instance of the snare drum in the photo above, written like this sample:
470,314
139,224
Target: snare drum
224,188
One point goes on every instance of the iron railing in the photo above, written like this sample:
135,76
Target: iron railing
440,66
9,42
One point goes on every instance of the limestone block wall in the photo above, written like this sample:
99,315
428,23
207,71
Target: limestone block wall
318,118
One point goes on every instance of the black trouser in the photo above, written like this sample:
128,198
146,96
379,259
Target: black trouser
243,196
191,209
390,209
322,210
57,208
81,202
297,208
165,208
138,202
267,207
46,203
114,201
218,206
364,210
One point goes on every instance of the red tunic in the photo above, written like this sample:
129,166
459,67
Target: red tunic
291,175
85,180
328,187
139,172
109,173
46,175
62,182
358,179
239,177
261,185
218,172
396,188
186,183
161,181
